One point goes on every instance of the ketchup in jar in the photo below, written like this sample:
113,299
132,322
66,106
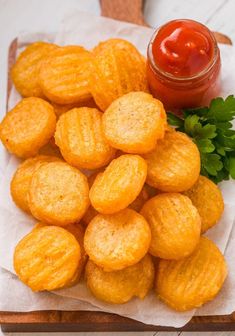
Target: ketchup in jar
183,66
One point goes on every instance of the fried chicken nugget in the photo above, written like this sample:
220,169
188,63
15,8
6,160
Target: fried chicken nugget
189,283
136,205
21,180
175,225
78,232
25,72
174,164
134,122
118,68
47,258
207,198
119,185
80,138
121,286
117,241
28,127
58,194
64,73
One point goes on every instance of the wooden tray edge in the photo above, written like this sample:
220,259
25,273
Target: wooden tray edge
46,321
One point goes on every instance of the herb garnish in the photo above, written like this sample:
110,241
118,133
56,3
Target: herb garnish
211,130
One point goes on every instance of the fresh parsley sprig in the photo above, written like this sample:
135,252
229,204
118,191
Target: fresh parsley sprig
211,130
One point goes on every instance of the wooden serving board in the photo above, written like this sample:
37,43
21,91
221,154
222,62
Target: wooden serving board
130,11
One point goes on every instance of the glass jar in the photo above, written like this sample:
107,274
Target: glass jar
187,90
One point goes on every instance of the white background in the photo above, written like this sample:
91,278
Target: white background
45,15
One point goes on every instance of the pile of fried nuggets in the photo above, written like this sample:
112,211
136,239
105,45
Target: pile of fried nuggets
136,221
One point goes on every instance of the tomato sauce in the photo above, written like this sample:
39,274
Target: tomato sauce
183,65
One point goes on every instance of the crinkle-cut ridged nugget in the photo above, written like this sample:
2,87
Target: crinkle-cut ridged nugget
28,127
174,164
58,194
80,138
134,122
25,72
21,180
208,199
175,225
117,241
64,75
111,43
136,205
47,258
189,283
119,185
118,68
121,286
78,231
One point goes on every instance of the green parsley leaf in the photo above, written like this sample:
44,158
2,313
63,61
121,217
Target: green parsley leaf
232,166
222,110
190,123
205,145
211,130
208,131
212,163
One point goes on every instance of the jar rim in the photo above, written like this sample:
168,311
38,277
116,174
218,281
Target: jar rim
169,76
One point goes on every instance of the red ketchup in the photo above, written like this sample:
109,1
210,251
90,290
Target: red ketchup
183,65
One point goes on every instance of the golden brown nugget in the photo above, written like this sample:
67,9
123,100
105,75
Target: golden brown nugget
136,205
25,72
174,164
134,122
47,258
110,43
21,180
81,140
189,283
78,232
119,185
58,194
117,241
118,68
64,75
207,198
28,127
175,225
121,286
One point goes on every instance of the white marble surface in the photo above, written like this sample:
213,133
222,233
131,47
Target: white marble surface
39,15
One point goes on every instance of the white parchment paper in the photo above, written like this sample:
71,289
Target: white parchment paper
88,30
